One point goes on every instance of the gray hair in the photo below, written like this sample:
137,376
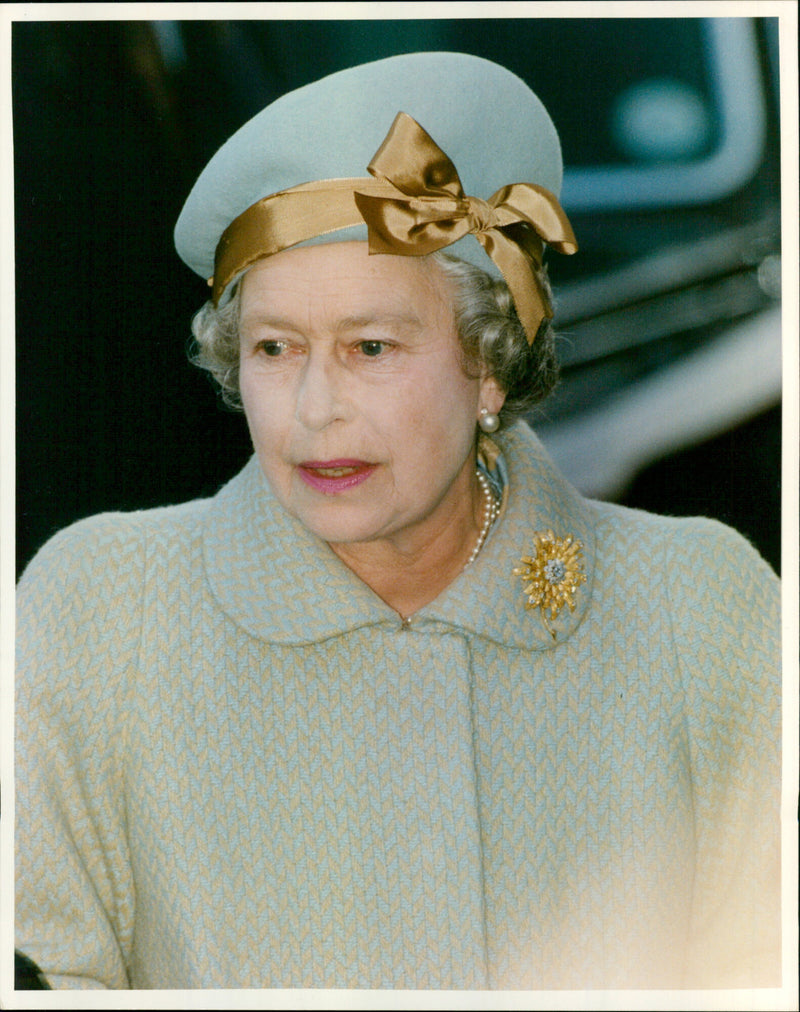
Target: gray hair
491,336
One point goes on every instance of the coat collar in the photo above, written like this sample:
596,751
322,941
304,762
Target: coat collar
283,585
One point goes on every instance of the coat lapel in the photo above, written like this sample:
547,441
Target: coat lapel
274,578
488,599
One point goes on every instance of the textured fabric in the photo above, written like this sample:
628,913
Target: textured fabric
236,767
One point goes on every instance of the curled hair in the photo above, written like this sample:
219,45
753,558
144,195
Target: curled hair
216,336
492,340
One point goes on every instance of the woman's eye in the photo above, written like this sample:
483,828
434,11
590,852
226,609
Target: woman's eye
372,348
272,348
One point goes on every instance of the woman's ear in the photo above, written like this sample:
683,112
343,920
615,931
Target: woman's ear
492,396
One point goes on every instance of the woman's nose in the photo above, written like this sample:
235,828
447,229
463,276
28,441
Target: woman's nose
320,397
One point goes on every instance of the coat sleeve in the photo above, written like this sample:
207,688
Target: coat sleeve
77,626
725,603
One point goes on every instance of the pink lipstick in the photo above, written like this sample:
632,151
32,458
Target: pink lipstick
332,476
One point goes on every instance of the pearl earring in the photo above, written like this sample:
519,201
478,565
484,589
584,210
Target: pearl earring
487,421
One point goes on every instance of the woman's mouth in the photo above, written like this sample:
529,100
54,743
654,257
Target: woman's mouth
332,476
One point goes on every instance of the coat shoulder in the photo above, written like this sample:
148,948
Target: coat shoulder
693,543
113,539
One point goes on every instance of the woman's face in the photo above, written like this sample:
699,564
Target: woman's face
360,412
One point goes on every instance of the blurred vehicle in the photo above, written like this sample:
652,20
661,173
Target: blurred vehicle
676,337
669,315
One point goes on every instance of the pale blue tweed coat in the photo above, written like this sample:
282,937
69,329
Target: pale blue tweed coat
236,768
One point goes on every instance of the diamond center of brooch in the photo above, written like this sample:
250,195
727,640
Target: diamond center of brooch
554,570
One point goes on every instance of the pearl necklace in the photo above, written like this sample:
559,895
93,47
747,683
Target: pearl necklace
490,514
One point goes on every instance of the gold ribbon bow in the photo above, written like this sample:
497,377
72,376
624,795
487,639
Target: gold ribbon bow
432,212
413,205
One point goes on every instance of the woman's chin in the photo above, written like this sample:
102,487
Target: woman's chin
338,525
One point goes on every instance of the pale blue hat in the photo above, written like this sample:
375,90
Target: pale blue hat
487,120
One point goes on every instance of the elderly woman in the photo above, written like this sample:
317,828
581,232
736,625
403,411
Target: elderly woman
397,707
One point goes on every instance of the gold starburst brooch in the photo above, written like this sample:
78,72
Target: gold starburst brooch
551,575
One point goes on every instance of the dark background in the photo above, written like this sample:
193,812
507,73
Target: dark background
112,124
